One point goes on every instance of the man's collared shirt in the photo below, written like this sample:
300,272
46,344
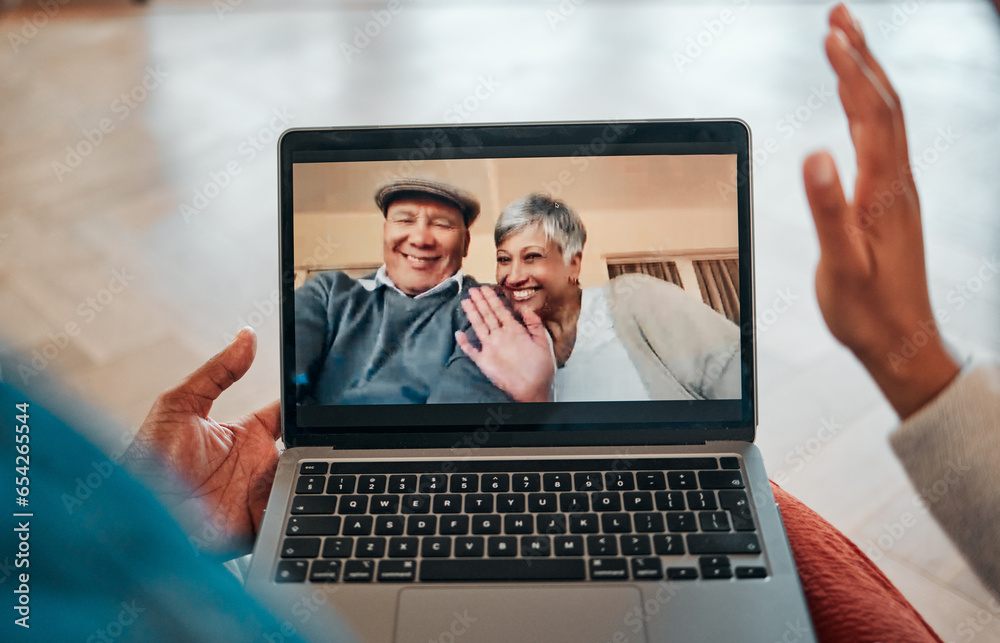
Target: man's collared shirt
382,279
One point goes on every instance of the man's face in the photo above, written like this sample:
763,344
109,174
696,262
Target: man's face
424,241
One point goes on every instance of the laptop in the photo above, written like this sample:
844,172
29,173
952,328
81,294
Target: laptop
630,505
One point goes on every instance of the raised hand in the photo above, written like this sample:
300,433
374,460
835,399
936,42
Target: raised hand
516,357
871,281
220,471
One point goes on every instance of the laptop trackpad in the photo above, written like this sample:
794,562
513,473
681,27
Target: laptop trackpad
523,614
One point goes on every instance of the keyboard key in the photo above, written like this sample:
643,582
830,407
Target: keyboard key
433,483
454,525
556,482
495,482
501,546
359,571
402,547
717,573
450,503
300,548
608,569
681,521
602,546
436,547
669,501
518,524
340,484
647,569
338,547
668,545
402,484
542,502
489,524
314,504
313,526
397,570
464,483
751,572
385,504
682,573
568,546
421,525
706,562
310,484
503,569
325,571
610,501
313,468
588,482
371,484
713,520
636,545
729,463
526,482
550,524
291,571
616,523
619,481
682,480
511,503
574,502
370,548
720,479
414,503
389,525
637,501
358,526
478,503
533,546
583,523
353,504
648,522
469,547
739,509
650,480
701,500
723,544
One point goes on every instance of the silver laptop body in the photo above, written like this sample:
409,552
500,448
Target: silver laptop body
708,560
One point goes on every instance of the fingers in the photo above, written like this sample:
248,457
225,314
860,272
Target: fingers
836,224
486,307
475,318
503,315
204,386
269,418
871,104
534,324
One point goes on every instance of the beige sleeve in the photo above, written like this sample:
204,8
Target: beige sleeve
951,451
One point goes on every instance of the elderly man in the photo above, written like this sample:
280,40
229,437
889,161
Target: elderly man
390,338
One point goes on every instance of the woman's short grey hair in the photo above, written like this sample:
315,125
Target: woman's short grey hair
559,223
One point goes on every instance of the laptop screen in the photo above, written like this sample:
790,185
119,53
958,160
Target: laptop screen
610,264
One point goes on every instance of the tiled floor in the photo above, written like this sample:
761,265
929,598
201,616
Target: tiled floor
188,87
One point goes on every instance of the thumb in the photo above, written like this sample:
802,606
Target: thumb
835,226
204,386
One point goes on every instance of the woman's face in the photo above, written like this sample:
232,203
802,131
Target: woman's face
533,275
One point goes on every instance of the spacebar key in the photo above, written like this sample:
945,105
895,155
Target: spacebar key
502,570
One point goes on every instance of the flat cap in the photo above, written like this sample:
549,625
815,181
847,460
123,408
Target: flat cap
467,204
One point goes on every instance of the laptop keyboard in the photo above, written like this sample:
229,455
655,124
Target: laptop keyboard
527,520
